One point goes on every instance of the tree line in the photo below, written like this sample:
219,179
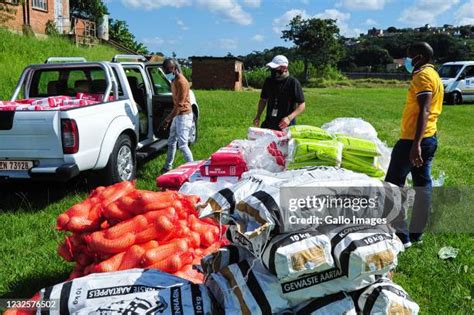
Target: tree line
319,45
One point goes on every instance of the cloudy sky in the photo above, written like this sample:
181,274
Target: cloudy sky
215,27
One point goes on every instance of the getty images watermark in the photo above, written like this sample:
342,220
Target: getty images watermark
449,208
329,206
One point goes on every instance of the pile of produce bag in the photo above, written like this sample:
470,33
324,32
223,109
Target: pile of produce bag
311,152
314,146
119,227
359,128
360,155
135,291
272,266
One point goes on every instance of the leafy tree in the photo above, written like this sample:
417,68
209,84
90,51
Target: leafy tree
392,29
317,41
372,56
88,9
448,48
365,56
118,31
465,31
258,59
445,46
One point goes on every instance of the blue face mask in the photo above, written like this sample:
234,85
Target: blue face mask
170,76
408,65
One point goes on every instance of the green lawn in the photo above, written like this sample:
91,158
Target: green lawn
28,211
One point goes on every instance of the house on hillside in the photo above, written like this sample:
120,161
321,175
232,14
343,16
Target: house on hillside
35,14
375,32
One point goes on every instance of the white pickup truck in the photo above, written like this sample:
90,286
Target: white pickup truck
106,137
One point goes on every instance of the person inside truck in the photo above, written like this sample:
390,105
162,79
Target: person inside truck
415,150
180,118
282,95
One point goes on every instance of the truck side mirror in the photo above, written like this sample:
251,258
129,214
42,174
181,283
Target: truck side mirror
462,76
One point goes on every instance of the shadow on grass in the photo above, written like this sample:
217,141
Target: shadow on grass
31,196
26,288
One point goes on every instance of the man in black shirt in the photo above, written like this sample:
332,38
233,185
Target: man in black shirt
282,95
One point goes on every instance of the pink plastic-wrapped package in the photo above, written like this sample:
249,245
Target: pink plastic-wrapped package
80,102
174,179
210,169
26,101
52,101
8,106
227,156
266,153
92,97
255,133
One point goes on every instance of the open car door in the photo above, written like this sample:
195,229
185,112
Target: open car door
162,100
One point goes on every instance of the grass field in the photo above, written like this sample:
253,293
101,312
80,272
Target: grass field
28,211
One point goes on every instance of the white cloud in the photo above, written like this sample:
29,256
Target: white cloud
253,3
229,9
181,25
333,14
227,43
465,14
156,4
425,11
280,23
258,38
341,20
354,32
371,22
157,42
362,4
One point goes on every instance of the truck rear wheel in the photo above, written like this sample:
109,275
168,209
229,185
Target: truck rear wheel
455,98
122,164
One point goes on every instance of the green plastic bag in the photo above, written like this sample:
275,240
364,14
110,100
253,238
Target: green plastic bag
357,146
359,160
309,132
310,152
371,170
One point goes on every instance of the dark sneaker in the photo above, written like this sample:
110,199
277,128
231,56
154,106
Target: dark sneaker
415,238
404,238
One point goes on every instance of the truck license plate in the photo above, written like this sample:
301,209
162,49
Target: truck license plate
15,165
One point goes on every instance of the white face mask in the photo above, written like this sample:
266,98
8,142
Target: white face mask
171,76
409,63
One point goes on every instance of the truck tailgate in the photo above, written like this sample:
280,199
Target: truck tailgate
30,135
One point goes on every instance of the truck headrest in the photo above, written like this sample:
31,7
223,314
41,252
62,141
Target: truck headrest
57,88
82,86
98,86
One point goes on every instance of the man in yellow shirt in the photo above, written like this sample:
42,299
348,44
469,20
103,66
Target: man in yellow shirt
415,150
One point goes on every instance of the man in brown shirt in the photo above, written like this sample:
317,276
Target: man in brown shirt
181,117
